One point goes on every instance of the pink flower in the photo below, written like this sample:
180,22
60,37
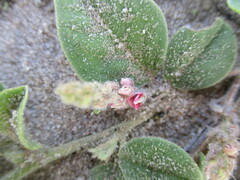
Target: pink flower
127,81
126,90
136,100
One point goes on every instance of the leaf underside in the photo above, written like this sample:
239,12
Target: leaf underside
12,105
155,158
111,39
198,60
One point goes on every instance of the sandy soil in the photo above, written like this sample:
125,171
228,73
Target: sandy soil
30,54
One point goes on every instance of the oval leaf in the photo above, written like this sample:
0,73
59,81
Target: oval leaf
12,105
110,39
106,171
234,5
155,158
197,60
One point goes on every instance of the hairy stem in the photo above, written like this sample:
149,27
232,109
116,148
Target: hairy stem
47,155
222,141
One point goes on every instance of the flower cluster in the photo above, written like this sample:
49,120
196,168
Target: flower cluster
95,95
128,95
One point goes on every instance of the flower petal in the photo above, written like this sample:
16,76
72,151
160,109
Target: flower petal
127,81
136,100
126,90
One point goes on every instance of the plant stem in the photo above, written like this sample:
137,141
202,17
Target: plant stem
222,141
47,155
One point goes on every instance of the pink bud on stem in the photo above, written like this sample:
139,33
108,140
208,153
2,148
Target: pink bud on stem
136,100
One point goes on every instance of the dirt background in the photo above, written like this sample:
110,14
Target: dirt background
30,54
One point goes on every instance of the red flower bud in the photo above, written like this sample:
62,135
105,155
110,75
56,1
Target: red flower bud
136,100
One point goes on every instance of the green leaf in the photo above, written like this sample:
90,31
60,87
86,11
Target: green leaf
155,158
96,111
200,59
14,156
106,171
20,172
110,39
202,164
11,151
104,151
234,5
1,87
202,161
12,105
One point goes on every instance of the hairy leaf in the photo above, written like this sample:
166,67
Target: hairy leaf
106,171
234,5
11,151
12,105
110,39
202,164
155,158
14,156
200,59
104,151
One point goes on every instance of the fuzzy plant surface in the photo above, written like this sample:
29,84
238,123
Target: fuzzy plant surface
150,158
200,59
111,39
106,171
100,96
27,155
12,105
234,5
106,41
15,142
105,150
221,159
16,146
